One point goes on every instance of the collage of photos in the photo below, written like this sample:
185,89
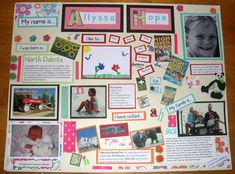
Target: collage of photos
117,87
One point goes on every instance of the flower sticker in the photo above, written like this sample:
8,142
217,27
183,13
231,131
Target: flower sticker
23,9
37,6
213,10
180,8
115,68
33,38
49,8
13,58
18,38
46,38
13,66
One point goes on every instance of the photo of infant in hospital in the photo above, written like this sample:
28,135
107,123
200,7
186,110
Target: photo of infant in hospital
34,140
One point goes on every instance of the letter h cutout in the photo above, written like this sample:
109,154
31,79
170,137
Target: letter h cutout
140,17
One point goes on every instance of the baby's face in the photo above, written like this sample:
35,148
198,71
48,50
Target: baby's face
35,134
202,40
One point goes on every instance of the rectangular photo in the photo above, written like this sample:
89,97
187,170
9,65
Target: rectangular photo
34,140
88,102
202,119
201,36
148,137
87,139
106,62
34,102
114,130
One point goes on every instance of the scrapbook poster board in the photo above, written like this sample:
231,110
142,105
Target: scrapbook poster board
117,88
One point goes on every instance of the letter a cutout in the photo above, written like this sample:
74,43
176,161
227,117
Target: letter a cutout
75,18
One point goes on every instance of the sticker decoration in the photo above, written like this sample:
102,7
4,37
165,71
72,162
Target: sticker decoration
65,48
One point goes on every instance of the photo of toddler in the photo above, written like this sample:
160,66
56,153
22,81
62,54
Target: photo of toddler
201,36
34,141
91,106
88,102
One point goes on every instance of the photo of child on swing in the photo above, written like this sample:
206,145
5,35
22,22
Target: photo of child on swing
201,36
88,102
202,118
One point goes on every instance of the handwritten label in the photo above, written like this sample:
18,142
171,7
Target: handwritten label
93,38
145,71
122,96
37,22
143,58
114,38
140,49
35,164
129,39
32,47
182,103
145,38
205,69
121,116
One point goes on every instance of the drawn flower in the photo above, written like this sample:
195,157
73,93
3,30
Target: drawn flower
46,38
18,38
180,8
33,38
49,8
213,10
115,68
99,67
23,9
219,145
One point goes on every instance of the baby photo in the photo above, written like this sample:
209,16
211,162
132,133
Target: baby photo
34,140
88,102
201,36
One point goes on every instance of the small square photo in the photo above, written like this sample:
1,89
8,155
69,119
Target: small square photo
88,102
87,139
146,137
